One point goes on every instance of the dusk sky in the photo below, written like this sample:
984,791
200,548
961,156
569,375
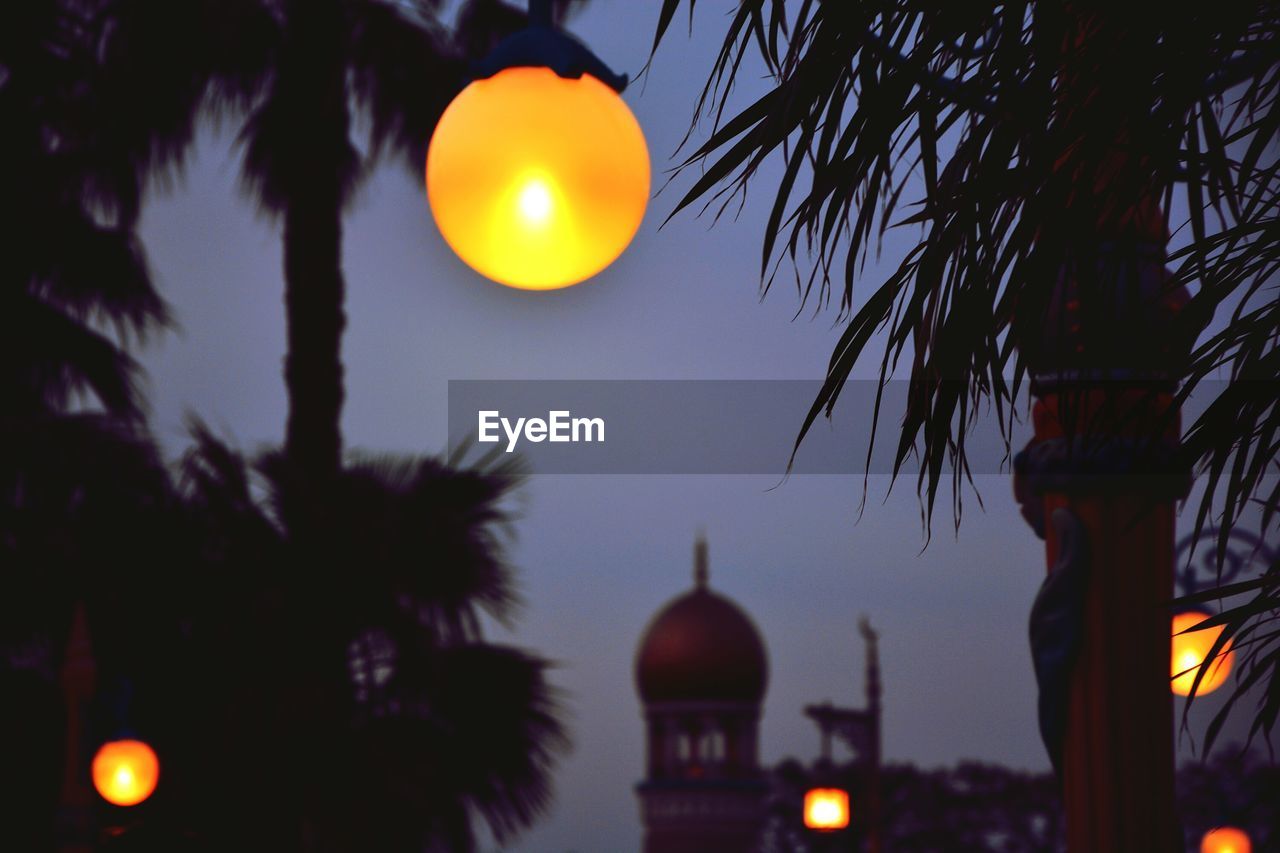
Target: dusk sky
598,555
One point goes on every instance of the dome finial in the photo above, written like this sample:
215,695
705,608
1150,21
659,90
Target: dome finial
701,571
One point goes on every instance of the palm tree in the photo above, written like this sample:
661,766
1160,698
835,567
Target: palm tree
303,71
104,94
1019,138
83,493
361,691
74,284
312,575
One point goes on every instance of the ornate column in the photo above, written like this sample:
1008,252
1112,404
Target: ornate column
1104,469
1106,346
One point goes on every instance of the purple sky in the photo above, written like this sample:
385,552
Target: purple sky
598,555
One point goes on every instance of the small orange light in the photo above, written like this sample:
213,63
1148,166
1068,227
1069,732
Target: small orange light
826,809
125,772
538,181
1226,839
1190,650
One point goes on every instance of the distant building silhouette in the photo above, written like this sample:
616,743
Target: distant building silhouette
701,671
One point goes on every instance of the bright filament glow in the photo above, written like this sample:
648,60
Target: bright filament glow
826,809
1226,839
535,202
535,180
1190,650
125,772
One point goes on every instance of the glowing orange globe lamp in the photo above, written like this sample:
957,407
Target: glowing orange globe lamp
1189,651
826,809
125,772
1226,839
537,172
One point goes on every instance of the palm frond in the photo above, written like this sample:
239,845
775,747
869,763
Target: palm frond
404,74
1016,137
864,92
51,361
465,732
440,730
159,66
74,266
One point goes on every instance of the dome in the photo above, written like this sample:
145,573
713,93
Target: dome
701,648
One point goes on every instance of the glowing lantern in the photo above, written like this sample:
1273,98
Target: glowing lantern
826,809
1189,651
1226,839
535,180
125,772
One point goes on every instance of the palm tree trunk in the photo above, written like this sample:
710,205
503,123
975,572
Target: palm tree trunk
317,172
314,285
314,295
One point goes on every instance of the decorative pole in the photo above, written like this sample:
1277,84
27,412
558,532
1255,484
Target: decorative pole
1104,468
1115,753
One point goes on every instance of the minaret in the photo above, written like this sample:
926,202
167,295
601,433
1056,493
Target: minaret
873,746
859,729
701,673
78,678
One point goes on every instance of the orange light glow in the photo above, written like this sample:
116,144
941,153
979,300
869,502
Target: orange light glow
1226,839
125,772
535,180
826,809
1190,649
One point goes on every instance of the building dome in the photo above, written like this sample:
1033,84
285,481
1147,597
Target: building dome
701,648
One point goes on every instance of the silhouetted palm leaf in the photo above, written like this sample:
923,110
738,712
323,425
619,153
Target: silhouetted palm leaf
358,651
304,73
80,496
995,129
75,286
